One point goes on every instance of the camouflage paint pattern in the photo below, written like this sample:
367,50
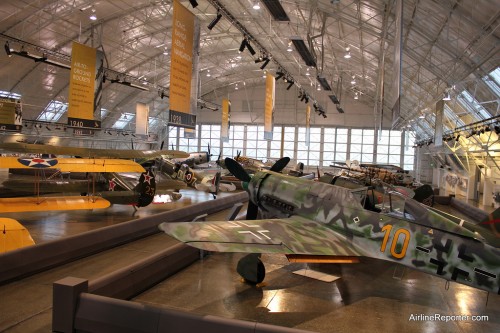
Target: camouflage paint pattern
321,219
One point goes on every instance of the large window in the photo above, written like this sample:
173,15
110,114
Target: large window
123,121
189,144
236,141
210,136
275,151
289,142
361,146
389,148
326,144
53,111
309,155
256,145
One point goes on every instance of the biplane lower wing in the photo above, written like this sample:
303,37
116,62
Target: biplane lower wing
72,164
13,235
32,204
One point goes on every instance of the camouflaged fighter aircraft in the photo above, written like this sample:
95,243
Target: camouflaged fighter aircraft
319,222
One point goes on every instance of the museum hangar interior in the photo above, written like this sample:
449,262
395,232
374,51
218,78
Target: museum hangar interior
348,88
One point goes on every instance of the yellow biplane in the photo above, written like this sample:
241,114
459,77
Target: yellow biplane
39,203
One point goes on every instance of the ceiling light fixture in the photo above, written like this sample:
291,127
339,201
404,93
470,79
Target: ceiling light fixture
290,84
324,82
279,75
303,50
208,73
422,116
7,49
212,24
266,62
347,55
276,10
447,96
334,99
356,96
236,86
93,16
289,48
256,6
193,3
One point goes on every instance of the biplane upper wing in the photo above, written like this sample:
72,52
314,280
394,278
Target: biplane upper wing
293,235
33,204
72,164
90,152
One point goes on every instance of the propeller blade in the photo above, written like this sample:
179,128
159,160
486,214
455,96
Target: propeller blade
237,170
252,211
280,164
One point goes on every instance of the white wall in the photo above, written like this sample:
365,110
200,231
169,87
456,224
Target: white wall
247,106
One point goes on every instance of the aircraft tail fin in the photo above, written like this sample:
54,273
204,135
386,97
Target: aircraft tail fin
216,183
146,188
492,222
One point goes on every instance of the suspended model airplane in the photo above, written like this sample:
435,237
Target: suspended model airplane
141,194
319,222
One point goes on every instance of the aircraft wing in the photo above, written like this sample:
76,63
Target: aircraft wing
72,164
294,235
33,204
90,152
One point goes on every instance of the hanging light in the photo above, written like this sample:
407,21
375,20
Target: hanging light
422,116
353,81
265,74
307,72
348,52
446,96
93,16
289,48
356,96
165,52
256,6
236,86
208,73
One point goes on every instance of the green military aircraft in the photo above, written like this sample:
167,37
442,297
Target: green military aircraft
320,222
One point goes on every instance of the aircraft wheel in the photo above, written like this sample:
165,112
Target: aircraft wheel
251,268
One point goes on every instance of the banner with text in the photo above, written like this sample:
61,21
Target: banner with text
141,119
11,114
226,120
181,59
269,107
308,125
83,89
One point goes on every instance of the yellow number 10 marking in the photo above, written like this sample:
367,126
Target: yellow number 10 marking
387,230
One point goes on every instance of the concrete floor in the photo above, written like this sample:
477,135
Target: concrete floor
367,298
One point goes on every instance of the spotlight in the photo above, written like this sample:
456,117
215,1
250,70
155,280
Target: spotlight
458,137
250,48
290,85
243,44
279,75
307,99
446,96
193,3
7,49
214,21
93,16
265,63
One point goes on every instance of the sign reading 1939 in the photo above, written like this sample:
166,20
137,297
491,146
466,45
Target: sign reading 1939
83,123
182,119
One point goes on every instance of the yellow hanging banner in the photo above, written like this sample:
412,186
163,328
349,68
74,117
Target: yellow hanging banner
226,116
181,58
82,87
269,107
